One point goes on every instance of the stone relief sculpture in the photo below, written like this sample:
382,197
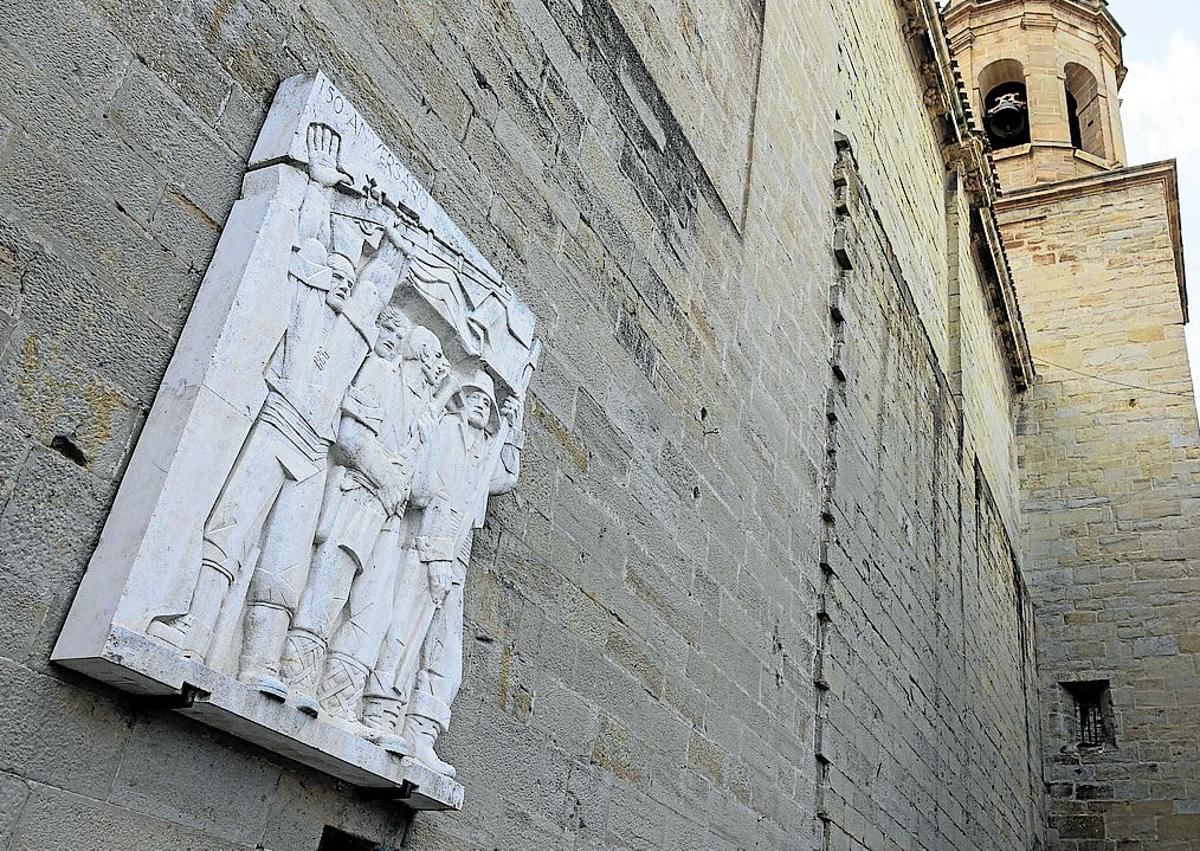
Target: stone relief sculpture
289,546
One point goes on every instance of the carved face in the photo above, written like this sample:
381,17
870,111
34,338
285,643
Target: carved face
426,349
336,298
478,408
434,365
387,344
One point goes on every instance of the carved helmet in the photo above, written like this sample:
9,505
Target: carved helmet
478,379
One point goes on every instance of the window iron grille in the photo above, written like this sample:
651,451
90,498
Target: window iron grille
1093,712
1091,723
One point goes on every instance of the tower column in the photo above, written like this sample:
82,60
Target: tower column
1045,81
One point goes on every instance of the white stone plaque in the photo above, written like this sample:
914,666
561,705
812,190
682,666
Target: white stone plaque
287,550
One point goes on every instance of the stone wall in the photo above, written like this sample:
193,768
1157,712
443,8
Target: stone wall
882,110
646,612
1110,463
927,704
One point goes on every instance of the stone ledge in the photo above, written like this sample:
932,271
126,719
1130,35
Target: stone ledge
142,666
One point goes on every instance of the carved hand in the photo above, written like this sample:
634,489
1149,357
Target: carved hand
324,145
394,494
440,574
449,387
394,235
514,412
426,426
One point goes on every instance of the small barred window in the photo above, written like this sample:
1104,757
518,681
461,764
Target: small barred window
1093,712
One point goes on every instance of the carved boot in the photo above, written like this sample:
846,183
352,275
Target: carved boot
342,689
301,666
389,740
262,645
422,733
191,633
380,716
381,713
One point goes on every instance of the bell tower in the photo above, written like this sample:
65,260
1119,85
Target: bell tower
1107,441
1044,77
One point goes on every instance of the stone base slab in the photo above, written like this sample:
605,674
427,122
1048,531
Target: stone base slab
139,665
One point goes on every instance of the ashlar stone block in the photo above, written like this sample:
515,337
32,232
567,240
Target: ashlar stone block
287,550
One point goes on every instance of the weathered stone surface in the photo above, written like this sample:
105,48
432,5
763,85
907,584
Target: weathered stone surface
53,819
204,783
756,588
44,719
14,792
918,553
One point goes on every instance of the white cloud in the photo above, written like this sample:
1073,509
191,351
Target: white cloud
1161,110
1161,114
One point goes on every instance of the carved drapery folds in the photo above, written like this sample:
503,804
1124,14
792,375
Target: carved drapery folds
290,542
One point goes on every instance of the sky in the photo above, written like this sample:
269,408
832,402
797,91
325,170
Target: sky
1160,108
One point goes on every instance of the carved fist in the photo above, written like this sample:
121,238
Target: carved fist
395,237
395,496
324,144
450,386
514,412
439,580
426,425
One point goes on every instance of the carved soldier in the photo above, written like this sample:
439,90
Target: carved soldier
471,465
280,472
388,418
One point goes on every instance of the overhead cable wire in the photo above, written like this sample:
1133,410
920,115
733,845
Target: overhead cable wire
1112,381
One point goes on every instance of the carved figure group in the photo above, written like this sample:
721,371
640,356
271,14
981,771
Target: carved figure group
333,560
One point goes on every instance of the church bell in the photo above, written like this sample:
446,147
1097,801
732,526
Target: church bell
1008,117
